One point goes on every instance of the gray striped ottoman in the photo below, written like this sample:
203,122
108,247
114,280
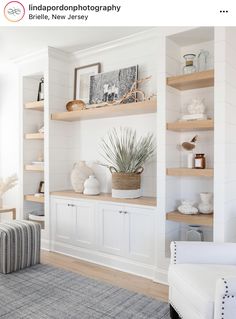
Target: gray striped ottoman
19,245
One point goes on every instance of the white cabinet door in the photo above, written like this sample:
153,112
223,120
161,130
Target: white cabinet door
84,225
111,227
63,220
140,232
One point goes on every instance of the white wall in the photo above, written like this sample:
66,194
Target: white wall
9,128
143,53
225,161
71,142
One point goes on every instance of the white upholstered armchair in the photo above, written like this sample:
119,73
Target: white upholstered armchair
202,280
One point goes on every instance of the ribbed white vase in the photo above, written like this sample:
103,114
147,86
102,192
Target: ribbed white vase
79,175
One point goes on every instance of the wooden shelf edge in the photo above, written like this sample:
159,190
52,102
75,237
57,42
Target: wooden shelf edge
207,172
198,219
143,201
35,105
36,218
192,81
145,107
34,136
34,168
32,198
200,125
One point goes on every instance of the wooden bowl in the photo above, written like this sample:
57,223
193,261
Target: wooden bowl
75,105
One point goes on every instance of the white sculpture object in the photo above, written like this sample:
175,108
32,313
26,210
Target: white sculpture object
79,174
91,186
187,208
206,205
196,110
7,184
196,107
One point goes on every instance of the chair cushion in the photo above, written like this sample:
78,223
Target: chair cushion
197,283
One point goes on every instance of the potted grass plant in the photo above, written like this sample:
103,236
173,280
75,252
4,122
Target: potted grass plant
125,156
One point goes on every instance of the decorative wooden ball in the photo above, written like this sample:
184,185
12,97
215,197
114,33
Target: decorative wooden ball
75,105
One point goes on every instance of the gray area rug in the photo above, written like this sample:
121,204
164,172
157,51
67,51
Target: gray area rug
43,292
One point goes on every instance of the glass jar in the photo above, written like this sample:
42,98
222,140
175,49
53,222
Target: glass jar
189,66
202,60
194,233
200,161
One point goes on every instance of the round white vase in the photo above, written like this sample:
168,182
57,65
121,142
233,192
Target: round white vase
79,174
206,205
91,186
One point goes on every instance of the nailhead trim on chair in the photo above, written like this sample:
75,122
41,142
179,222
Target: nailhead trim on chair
175,252
223,298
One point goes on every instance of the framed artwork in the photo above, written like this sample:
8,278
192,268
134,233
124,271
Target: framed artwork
111,86
41,187
82,81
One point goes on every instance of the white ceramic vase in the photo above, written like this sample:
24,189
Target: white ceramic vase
187,208
79,174
91,186
206,205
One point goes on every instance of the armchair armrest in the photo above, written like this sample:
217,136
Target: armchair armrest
185,252
225,298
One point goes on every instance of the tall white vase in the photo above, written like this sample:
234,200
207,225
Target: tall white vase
206,205
79,174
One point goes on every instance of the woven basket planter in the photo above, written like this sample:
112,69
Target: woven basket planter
126,185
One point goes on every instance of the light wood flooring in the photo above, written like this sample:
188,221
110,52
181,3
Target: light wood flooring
114,277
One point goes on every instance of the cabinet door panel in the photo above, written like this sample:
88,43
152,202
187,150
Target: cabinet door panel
140,232
84,227
64,221
111,229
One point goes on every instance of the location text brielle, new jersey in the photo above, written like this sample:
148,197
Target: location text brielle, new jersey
68,12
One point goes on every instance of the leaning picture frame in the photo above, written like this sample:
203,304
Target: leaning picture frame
82,80
41,187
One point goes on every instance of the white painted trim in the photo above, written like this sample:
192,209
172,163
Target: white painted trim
106,260
133,38
161,276
137,37
58,54
97,202
43,53
45,244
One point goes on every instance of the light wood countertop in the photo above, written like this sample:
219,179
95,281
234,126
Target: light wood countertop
145,201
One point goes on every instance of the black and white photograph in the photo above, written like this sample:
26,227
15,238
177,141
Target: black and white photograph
111,86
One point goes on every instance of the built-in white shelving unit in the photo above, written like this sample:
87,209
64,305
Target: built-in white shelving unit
73,136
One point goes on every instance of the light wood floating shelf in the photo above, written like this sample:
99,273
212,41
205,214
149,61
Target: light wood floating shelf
195,80
199,125
34,168
37,106
36,218
199,219
207,172
34,136
32,198
108,111
145,201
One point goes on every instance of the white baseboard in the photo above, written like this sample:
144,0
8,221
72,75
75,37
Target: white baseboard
45,244
115,262
161,276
